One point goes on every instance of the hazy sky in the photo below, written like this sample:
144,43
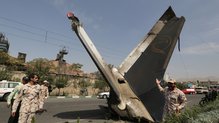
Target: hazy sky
40,28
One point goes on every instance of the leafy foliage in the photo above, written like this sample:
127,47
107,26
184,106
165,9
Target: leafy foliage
181,86
100,82
83,83
11,62
197,114
61,83
4,58
41,67
76,66
5,75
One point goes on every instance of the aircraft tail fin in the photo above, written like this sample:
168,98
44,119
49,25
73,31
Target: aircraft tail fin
149,61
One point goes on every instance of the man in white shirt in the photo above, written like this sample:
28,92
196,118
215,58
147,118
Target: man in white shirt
12,97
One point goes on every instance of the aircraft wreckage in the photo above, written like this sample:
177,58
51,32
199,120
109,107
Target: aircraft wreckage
133,92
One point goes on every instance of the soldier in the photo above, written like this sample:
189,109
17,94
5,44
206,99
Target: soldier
44,89
12,97
175,99
31,100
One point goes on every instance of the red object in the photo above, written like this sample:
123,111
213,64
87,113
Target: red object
189,91
70,15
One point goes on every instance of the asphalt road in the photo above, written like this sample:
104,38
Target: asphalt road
68,110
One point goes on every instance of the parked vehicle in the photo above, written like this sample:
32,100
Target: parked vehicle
201,90
103,95
210,96
189,91
214,87
6,88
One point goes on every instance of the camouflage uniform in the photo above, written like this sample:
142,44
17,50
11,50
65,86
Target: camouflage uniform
44,91
173,99
31,102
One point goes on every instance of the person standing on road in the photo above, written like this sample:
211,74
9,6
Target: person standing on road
12,97
44,89
31,100
175,99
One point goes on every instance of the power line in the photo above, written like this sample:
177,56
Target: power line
19,29
44,35
47,35
31,39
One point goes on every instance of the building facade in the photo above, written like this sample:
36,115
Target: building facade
4,44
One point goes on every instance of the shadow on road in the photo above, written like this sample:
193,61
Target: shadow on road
101,115
85,114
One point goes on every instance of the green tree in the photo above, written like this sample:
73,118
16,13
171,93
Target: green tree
40,66
99,76
181,86
76,66
83,84
61,83
5,75
100,82
11,62
4,58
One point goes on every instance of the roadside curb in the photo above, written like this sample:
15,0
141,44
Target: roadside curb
75,97
60,97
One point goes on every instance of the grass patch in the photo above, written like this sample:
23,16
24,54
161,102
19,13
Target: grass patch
197,114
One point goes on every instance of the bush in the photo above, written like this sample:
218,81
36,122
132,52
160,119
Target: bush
61,83
196,114
5,75
207,117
